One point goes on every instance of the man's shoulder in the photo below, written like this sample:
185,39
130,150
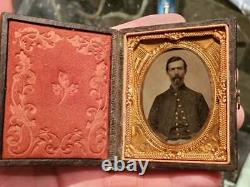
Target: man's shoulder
164,94
193,92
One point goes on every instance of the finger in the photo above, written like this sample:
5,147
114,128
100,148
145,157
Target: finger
28,176
240,117
240,111
16,176
96,177
156,19
183,178
72,176
5,6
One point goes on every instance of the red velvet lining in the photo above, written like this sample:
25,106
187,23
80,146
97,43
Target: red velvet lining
57,95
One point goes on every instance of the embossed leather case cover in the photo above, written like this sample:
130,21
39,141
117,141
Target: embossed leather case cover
56,100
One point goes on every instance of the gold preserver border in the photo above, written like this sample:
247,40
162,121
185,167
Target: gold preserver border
211,145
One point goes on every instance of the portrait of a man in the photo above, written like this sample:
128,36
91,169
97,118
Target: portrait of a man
179,112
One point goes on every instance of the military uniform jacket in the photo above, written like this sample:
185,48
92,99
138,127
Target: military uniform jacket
178,115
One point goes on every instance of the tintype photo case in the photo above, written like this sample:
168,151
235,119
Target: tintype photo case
76,95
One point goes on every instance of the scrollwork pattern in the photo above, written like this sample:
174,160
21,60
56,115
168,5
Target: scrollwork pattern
98,84
54,145
28,38
23,113
88,46
92,138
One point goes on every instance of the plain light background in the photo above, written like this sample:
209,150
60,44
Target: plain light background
157,81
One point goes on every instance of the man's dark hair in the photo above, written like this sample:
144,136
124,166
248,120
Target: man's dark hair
176,58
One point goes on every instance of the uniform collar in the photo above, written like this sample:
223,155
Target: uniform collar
183,87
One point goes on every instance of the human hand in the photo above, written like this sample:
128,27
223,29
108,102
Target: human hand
77,176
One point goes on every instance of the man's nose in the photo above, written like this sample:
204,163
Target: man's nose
176,71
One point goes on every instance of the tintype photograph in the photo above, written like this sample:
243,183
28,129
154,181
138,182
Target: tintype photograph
177,95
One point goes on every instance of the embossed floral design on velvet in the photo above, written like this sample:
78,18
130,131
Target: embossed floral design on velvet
98,83
89,46
92,138
64,88
29,37
52,145
97,114
23,118
22,113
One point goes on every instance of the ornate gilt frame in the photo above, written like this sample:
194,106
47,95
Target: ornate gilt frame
214,146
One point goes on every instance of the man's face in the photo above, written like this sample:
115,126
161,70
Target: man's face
176,73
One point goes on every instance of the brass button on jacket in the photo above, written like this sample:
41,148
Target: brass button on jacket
163,112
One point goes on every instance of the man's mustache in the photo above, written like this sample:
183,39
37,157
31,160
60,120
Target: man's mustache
176,77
